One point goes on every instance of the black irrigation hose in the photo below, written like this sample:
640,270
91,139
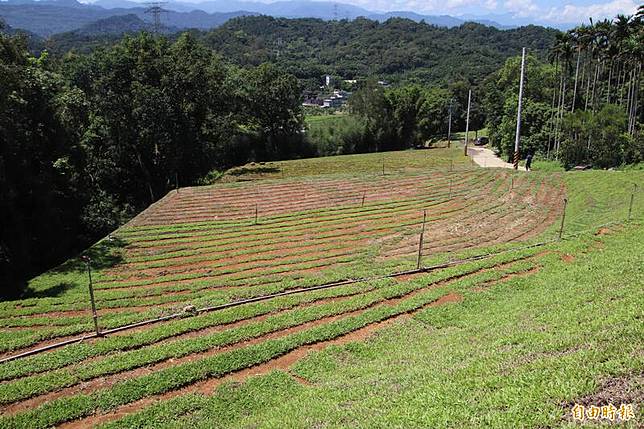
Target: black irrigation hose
264,298
292,292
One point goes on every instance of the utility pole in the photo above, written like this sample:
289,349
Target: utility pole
449,125
517,137
88,261
467,122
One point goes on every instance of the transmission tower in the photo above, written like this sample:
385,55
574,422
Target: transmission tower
280,42
155,9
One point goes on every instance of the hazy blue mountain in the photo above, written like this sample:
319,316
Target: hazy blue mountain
438,20
117,25
299,9
34,41
47,17
58,16
508,20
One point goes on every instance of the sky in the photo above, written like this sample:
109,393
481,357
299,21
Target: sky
547,10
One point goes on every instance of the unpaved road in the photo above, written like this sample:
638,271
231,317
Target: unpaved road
486,158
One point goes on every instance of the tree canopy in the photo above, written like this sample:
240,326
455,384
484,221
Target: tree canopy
87,142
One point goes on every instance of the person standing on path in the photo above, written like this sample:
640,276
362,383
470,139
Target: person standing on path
528,162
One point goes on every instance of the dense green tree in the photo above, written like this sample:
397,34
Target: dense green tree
86,144
399,50
611,145
400,117
37,202
500,104
608,56
272,106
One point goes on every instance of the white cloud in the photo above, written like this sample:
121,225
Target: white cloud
425,6
521,8
572,13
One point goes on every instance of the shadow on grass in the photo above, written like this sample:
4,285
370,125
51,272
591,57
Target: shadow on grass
51,292
253,169
103,255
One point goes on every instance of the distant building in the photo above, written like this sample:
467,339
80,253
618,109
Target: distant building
313,102
336,98
327,80
332,102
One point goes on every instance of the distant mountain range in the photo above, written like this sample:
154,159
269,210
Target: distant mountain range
333,10
302,9
117,25
48,17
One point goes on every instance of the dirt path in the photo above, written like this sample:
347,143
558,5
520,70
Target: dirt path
485,157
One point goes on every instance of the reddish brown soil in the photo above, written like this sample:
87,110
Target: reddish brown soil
506,278
616,391
567,258
602,231
285,269
107,381
371,227
193,204
463,222
473,230
43,344
281,363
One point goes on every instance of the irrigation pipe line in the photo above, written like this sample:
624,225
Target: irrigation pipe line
292,292
266,297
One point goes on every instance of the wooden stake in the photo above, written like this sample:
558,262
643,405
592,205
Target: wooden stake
420,243
630,205
91,294
449,126
256,213
467,121
364,194
563,218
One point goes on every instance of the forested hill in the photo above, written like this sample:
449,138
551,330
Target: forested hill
395,49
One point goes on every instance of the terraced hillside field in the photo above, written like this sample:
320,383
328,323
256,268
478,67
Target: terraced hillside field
356,230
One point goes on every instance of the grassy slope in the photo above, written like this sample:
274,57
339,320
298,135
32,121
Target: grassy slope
357,165
506,357
595,198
